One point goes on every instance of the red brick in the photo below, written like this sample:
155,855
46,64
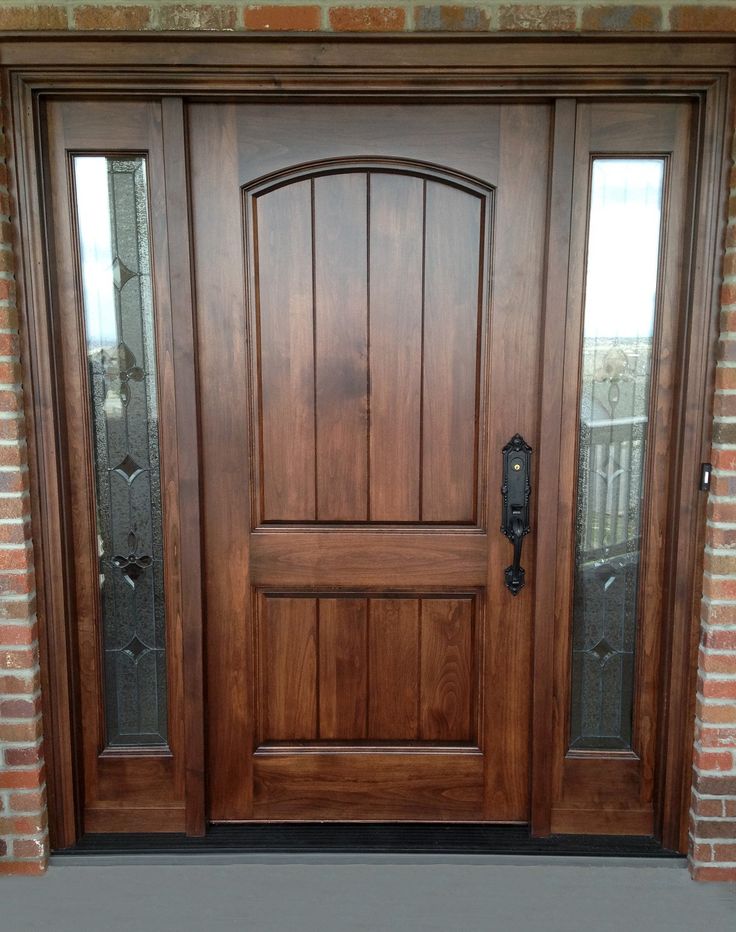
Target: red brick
179,16
7,261
450,18
17,659
33,801
726,377
723,485
23,825
634,18
17,685
10,400
367,19
715,588
703,17
721,537
21,779
33,17
12,428
724,460
719,565
28,848
729,260
720,640
716,713
19,708
728,318
724,853
112,17
729,806
20,609
15,533
718,689
8,315
719,786
288,18
724,405
538,17
7,290
17,507
713,828
711,737
731,235
726,350
20,635
707,807
16,583
23,757
707,760
23,867
701,852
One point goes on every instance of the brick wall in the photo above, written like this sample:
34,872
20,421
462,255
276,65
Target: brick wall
23,844
23,840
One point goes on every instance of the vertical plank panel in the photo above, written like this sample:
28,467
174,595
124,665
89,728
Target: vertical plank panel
393,652
396,256
446,670
288,669
283,270
342,668
341,343
451,316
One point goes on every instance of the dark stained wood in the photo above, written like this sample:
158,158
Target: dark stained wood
185,395
341,345
478,65
135,126
393,664
369,784
283,247
343,669
590,780
451,352
396,252
446,664
287,669
548,459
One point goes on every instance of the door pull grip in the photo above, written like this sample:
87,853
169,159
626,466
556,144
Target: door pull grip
516,492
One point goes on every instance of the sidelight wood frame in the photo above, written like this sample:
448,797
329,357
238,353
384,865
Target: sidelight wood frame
388,68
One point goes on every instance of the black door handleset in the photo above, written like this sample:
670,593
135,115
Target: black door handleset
516,492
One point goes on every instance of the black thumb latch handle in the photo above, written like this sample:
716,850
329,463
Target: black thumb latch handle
516,492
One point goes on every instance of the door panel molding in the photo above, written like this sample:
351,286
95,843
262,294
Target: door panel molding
492,69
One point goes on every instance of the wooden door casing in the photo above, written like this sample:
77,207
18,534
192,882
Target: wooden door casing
350,498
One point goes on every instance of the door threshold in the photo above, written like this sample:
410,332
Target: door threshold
369,838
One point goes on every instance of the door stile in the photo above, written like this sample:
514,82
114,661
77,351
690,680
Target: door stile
547,609
188,604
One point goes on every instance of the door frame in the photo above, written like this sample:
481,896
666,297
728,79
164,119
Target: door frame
390,68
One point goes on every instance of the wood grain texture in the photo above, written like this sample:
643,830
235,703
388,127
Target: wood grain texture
288,669
446,681
341,345
282,231
396,317
393,660
451,353
343,669
375,785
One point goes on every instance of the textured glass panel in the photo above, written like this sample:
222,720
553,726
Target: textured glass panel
620,304
112,207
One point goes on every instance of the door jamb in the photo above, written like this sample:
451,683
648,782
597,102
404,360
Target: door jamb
464,67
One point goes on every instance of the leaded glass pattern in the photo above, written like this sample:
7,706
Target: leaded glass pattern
618,334
112,211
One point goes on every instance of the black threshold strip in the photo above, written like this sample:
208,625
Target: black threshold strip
371,838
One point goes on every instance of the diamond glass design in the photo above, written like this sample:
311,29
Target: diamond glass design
128,468
121,274
113,222
602,651
136,648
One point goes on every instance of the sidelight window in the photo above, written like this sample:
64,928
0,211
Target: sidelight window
624,235
114,246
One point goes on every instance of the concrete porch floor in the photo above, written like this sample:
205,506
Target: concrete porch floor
376,893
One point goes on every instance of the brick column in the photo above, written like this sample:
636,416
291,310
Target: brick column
23,836
713,812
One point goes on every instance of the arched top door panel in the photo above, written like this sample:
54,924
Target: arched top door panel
367,285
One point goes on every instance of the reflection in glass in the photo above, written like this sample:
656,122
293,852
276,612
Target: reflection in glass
112,209
620,305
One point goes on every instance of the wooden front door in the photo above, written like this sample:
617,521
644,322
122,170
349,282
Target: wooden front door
309,330
369,287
